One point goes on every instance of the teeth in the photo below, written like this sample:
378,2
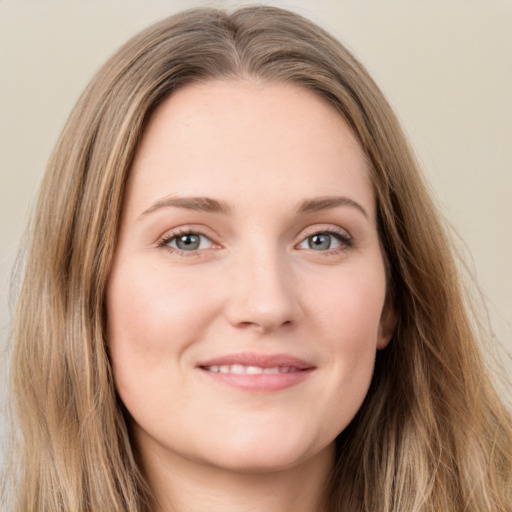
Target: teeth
240,369
237,368
253,370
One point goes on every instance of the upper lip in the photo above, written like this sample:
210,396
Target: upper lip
261,360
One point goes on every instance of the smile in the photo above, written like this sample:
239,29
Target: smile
260,373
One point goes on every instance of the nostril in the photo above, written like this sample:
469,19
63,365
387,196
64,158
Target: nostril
264,326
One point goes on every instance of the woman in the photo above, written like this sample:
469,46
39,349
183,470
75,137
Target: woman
239,296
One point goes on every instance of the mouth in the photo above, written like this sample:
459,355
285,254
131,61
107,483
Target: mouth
257,372
239,369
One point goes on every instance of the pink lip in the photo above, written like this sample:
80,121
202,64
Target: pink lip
261,360
299,371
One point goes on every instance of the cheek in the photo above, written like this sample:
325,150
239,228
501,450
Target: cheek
153,317
351,308
152,320
357,324
152,312
349,317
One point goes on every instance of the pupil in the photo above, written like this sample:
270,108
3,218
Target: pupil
318,242
188,242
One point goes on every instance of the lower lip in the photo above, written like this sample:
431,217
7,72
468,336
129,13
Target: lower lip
265,382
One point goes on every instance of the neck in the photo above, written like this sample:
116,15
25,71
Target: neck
180,485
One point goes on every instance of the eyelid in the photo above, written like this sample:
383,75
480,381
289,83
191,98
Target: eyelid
174,233
343,236
325,228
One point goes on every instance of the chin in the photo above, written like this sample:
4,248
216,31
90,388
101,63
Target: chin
263,456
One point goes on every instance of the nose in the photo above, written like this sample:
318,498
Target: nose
262,294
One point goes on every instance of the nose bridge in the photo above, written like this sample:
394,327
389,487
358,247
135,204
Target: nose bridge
262,293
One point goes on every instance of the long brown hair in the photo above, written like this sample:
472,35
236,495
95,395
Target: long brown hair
432,433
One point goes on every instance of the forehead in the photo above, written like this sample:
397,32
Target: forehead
237,139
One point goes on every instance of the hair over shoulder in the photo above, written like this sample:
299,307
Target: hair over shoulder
432,434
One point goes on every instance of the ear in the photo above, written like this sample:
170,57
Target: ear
387,325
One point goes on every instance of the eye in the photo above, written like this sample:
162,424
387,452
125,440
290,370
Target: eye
325,241
187,242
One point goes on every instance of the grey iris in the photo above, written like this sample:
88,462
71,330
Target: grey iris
319,242
188,242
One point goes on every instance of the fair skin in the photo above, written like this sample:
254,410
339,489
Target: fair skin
243,325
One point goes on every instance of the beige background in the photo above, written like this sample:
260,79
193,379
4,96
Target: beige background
446,67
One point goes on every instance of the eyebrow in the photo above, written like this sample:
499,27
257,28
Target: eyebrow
210,205
328,202
201,204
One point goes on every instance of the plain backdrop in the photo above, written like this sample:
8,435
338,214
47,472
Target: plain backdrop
445,66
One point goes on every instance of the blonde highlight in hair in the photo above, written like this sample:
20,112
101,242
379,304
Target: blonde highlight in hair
432,433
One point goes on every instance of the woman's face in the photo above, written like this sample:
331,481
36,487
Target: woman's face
246,298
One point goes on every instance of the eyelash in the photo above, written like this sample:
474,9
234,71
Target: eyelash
175,235
346,242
